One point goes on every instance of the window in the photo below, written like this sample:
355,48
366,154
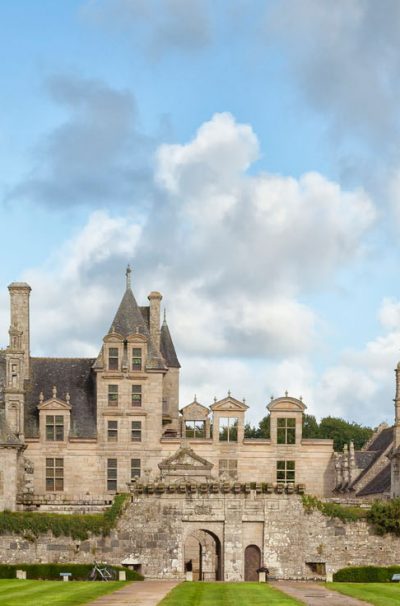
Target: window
136,431
112,431
286,433
113,358
55,428
135,468
285,471
113,395
112,471
228,427
228,467
136,358
136,395
54,474
195,429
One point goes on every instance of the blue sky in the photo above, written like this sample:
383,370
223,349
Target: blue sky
243,157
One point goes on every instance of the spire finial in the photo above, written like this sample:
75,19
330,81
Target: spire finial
165,315
128,276
54,391
195,398
286,393
229,393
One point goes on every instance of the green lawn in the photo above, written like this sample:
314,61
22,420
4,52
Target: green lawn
378,594
226,594
14,592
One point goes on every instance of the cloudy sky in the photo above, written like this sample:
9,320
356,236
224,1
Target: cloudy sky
242,156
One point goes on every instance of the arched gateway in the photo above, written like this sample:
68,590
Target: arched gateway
203,555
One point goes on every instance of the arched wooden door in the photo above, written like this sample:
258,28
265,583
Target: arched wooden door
252,562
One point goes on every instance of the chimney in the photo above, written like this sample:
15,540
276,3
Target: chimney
155,301
19,308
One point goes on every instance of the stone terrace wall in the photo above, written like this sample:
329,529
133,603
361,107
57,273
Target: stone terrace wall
154,528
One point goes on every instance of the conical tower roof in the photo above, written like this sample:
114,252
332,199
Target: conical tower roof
167,347
128,318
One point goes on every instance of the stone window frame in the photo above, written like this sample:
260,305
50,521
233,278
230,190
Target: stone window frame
229,467
286,430
136,431
54,428
112,430
136,468
196,433
113,394
286,471
112,475
54,474
113,358
136,395
136,359
231,424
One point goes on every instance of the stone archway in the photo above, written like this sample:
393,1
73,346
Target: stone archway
252,562
203,555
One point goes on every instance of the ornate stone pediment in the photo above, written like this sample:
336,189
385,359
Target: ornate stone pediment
229,403
187,464
195,411
54,404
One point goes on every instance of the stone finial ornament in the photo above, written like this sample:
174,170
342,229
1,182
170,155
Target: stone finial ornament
54,391
41,397
67,397
128,277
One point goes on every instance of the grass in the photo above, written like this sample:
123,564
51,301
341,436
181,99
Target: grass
226,594
378,594
14,592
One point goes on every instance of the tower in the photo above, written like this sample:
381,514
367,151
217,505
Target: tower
17,356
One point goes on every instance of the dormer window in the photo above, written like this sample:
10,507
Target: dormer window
228,429
195,429
113,362
137,358
54,428
286,430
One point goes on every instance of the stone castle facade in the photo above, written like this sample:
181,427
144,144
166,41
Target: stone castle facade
75,431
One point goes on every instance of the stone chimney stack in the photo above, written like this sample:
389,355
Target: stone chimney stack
397,409
19,328
155,302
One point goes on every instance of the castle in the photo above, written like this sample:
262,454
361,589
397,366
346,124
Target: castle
75,431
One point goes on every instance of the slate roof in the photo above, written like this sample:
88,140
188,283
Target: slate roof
72,375
129,318
167,347
363,458
382,440
379,484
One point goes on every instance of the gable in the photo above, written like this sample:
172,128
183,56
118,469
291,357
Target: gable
195,411
185,459
54,404
286,404
229,403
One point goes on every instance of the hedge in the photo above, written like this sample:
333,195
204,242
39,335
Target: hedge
51,572
78,526
366,574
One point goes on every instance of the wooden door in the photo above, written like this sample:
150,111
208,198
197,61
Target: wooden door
252,561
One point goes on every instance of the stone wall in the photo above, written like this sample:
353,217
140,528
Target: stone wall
154,529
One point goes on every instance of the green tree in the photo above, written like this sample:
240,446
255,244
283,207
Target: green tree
310,427
342,432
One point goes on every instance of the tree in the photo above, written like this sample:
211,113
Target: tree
342,432
310,427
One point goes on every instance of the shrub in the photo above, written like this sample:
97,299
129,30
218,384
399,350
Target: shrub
385,517
366,574
51,572
333,510
31,524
